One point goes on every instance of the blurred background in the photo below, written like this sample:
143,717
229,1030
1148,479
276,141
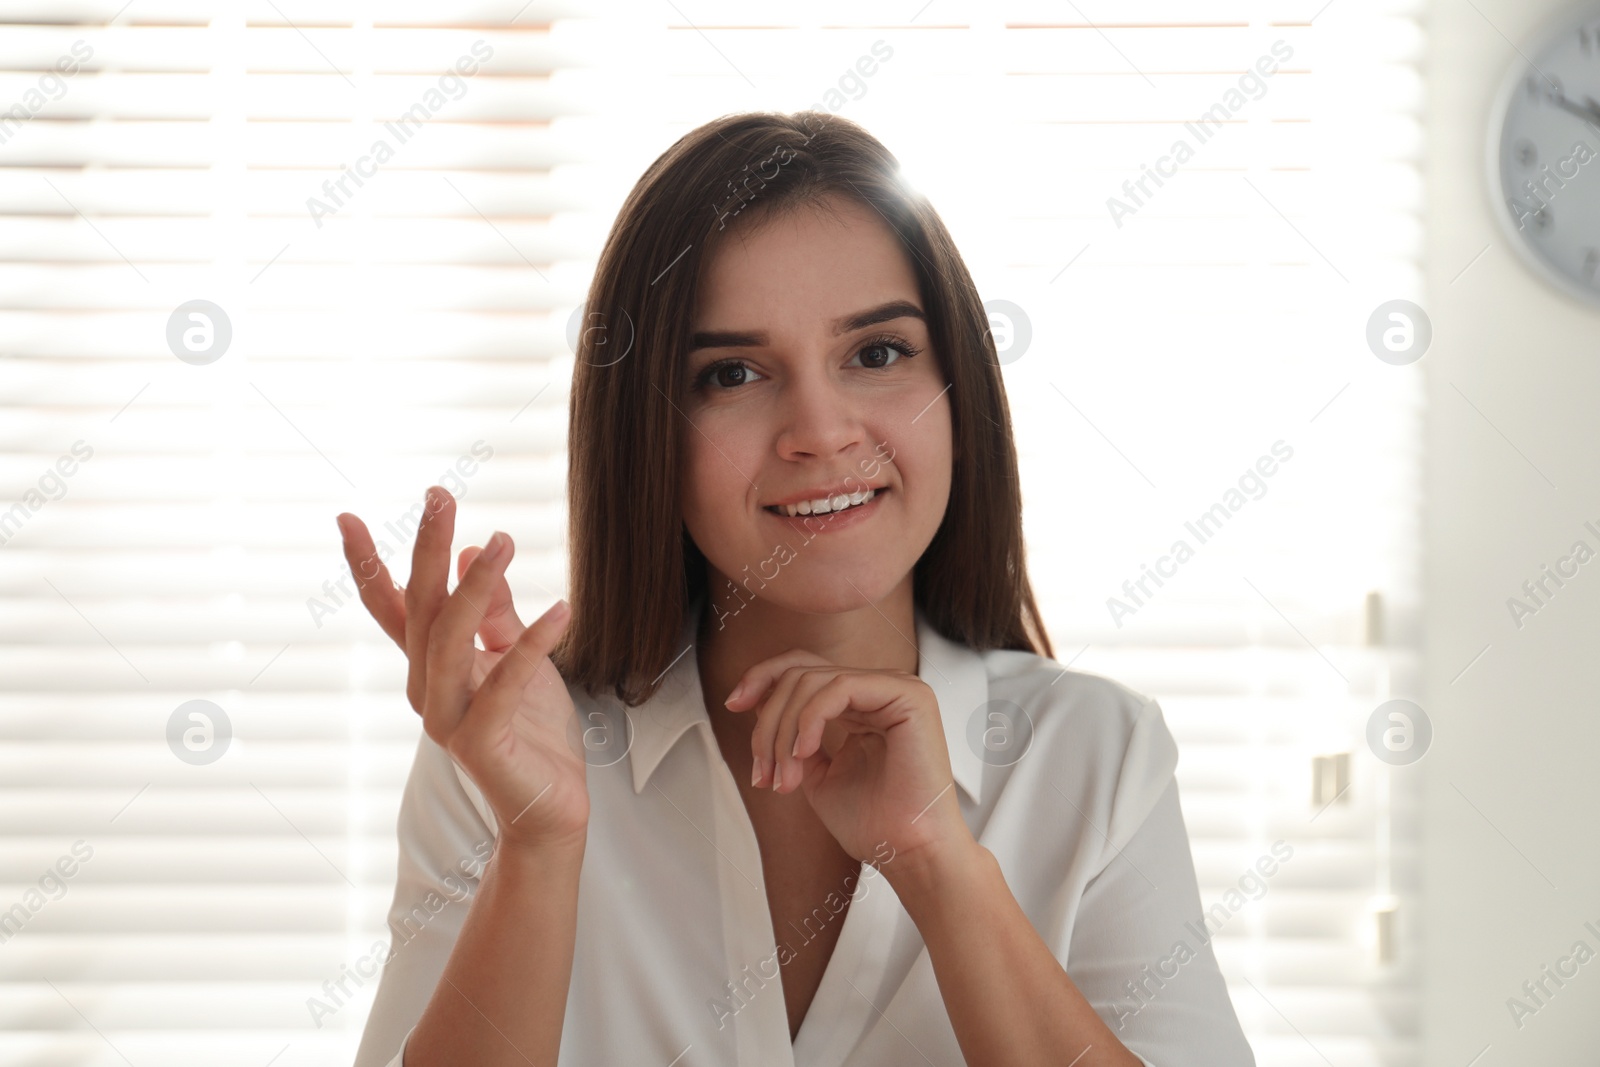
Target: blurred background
1259,289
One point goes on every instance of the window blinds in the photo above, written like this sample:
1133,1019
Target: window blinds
368,198
264,262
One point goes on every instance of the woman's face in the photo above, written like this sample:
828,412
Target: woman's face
791,400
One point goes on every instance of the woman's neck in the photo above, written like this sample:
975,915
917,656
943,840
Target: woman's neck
734,635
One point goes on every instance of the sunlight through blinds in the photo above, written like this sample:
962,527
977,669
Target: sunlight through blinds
370,208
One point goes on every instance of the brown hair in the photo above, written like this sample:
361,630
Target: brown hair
634,569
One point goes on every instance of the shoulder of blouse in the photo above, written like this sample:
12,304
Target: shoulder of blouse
1103,745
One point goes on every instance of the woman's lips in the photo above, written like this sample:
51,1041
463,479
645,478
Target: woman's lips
831,521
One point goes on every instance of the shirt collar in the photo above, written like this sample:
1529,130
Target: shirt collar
956,674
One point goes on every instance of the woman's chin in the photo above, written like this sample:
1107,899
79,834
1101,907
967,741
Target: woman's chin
831,593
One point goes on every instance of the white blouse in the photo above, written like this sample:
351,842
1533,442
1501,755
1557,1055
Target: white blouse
675,959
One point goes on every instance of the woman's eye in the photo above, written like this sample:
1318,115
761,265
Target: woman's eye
875,354
727,374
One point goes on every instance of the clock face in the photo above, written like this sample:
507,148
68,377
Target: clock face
1545,153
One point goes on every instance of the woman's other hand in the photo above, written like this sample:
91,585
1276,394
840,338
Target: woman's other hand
502,712
866,746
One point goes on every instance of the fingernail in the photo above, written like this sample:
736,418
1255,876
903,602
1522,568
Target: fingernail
496,547
755,773
795,751
344,530
559,610
777,775
733,695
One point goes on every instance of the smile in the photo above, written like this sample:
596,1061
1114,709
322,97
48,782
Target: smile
825,505
840,512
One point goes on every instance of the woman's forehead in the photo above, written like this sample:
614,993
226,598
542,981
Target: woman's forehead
809,271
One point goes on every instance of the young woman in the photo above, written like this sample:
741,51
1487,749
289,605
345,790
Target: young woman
793,780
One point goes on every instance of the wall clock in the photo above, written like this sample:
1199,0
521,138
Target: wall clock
1544,152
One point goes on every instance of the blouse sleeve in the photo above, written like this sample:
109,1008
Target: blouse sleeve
1139,950
445,838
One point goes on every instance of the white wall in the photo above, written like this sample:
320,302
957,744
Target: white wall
1517,735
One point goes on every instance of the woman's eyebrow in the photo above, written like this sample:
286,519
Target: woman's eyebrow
894,309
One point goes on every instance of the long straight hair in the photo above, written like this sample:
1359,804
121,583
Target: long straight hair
634,568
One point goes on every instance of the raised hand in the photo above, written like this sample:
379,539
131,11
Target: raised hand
502,712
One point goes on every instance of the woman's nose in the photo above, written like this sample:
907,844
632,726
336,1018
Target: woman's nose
819,417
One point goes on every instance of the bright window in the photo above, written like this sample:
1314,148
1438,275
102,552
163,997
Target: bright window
396,209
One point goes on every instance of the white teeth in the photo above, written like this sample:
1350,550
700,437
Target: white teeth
824,505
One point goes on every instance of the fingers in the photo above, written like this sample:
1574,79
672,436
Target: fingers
757,684
773,737
501,625
425,595
765,772
379,592
450,652
826,701
822,695
501,693
780,728
790,731
874,698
